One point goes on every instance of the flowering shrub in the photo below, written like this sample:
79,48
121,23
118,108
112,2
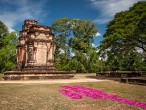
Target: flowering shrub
77,92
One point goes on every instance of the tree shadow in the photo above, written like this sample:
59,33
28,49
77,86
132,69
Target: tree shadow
93,77
116,79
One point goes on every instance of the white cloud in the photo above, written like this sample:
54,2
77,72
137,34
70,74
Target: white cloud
61,51
11,30
19,10
102,20
108,8
93,45
97,34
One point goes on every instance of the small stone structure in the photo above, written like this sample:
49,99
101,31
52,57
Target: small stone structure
35,54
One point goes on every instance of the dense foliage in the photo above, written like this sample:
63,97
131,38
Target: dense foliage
124,43
7,48
74,40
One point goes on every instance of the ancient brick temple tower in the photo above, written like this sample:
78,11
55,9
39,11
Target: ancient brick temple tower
35,55
35,49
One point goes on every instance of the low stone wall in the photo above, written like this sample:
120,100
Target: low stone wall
37,75
134,80
121,73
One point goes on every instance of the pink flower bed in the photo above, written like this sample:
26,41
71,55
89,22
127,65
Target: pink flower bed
78,92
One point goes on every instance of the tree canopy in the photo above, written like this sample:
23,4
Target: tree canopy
127,30
3,33
75,36
7,48
124,37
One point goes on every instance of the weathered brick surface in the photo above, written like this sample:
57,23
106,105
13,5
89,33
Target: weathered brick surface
35,46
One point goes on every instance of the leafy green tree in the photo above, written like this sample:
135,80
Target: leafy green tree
3,33
63,62
127,30
124,35
7,49
61,29
73,35
83,32
92,61
81,44
130,62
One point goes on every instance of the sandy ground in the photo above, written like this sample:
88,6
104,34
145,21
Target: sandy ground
76,79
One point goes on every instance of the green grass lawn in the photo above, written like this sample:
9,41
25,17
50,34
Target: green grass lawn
47,97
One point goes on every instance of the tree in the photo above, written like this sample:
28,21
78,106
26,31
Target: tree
130,62
61,29
73,35
3,33
83,32
127,30
125,35
7,49
93,63
81,44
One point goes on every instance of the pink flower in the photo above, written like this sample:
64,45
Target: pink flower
78,91
70,94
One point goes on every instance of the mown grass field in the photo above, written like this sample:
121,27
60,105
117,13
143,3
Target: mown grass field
47,97
1,75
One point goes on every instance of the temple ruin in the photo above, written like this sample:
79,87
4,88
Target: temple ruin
35,49
35,54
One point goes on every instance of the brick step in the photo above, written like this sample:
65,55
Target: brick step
37,75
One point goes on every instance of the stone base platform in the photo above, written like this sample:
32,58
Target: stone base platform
37,75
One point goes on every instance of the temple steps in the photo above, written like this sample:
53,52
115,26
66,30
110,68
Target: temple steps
37,75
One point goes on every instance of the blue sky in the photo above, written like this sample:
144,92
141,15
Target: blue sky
14,12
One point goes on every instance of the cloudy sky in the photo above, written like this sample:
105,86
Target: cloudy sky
14,12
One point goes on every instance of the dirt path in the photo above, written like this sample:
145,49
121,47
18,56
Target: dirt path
77,78
59,81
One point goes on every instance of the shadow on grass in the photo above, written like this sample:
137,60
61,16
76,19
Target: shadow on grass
117,79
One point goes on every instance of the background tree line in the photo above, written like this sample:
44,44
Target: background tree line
7,48
123,46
